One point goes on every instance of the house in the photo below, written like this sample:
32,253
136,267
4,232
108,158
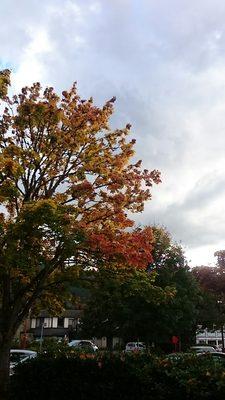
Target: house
66,326
45,326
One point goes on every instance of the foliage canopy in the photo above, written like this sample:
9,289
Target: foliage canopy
67,183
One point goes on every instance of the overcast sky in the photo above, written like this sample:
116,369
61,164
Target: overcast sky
164,60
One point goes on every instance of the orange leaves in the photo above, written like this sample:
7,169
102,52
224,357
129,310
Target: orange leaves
62,152
82,190
68,141
126,248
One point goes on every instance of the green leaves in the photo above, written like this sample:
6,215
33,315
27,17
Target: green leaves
123,299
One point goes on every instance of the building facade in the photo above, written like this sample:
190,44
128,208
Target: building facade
45,326
210,337
66,326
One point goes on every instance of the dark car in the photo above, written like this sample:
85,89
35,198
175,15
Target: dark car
216,356
18,356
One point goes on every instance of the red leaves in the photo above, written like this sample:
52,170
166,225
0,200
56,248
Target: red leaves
82,189
126,248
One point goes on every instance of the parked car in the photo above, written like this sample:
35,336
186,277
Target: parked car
176,356
135,346
18,356
83,344
217,356
202,349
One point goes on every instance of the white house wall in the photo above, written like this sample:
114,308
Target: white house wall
209,337
54,322
66,322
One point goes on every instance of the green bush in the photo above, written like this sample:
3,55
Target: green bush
50,346
119,376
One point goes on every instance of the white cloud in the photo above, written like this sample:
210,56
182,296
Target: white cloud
165,62
31,65
95,7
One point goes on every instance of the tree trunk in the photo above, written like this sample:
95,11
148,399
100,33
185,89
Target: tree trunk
5,337
4,369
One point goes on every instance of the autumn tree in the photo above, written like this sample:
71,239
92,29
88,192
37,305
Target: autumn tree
66,184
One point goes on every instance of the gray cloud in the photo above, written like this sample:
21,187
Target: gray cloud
197,220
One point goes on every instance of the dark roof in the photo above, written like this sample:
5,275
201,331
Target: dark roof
66,313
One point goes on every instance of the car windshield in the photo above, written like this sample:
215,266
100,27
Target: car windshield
17,357
85,344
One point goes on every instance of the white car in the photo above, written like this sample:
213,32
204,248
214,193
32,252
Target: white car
83,344
202,349
18,356
135,346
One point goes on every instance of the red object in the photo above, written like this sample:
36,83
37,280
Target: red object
175,339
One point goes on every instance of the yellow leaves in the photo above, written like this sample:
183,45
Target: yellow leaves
44,204
52,301
34,114
57,143
4,82
41,209
9,167
20,276
60,198
60,151
8,191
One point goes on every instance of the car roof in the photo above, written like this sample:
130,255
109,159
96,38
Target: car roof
136,343
79,341
212,353
75,341
24,351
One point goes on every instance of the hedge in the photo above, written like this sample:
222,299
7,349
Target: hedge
119,376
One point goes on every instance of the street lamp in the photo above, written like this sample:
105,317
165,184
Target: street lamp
41,338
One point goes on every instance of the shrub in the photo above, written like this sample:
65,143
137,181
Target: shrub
119,376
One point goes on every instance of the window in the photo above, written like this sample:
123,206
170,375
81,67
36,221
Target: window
33,323
48,322
212,342
71,322
39,322
60,322
17,357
